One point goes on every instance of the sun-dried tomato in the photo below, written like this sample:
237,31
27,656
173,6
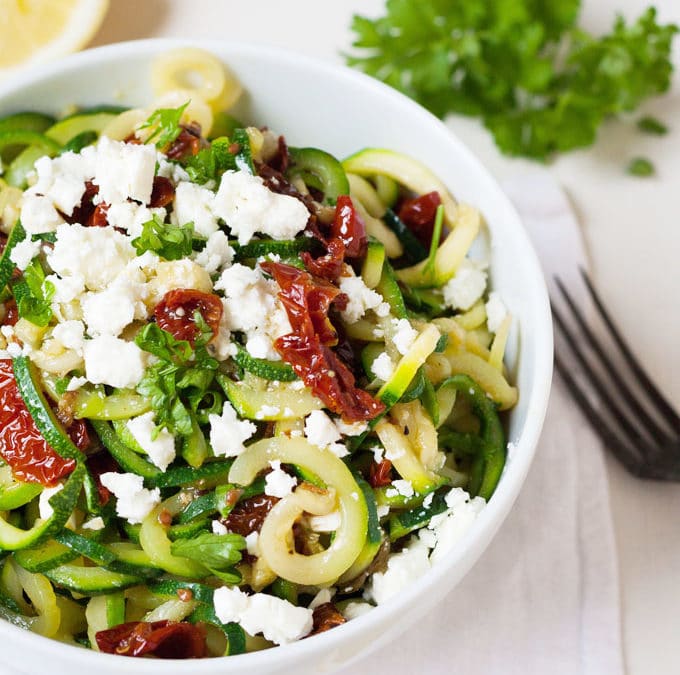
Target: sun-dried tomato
419,214
83,212
306,349
97,464
11,313
162,192
247,516
328,266
21,444
98,218
325,617
380,473
175,312
349,228
78,433
187,144
163,639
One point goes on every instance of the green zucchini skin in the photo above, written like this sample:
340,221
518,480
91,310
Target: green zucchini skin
320,170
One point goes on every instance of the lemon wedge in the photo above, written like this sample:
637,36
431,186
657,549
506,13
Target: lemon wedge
33,31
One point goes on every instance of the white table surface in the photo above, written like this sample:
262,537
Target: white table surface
632,228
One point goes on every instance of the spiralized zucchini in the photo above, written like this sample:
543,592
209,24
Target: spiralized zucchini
290,375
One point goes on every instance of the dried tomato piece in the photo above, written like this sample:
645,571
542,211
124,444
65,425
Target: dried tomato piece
98,217
97,464
307,301
11,313
187,144
247,516
380,473
175,313
79,434
162,192
349,228
419,214
325,617
328,266
83,212
163,639
21,444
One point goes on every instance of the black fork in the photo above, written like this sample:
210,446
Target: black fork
629,413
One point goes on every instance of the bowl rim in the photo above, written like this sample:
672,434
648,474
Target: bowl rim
496,510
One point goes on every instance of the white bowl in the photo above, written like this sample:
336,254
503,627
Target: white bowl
317,104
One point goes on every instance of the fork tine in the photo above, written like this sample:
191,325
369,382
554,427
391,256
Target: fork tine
647,422
602,390
660,402
625,453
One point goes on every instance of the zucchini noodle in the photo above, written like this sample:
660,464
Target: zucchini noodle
236,377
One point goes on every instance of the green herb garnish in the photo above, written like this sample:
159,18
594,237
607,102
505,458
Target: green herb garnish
651,125
639,166
172,242
540,84
165,125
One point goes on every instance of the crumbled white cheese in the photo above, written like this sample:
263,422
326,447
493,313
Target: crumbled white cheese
383,510
133,501
193,204
466,287
70,334
251,305
62,180
404,335
228,432
109,311
38,214
350,428
216,254
324,596
400,487
495,312
65,290
131,217
383,366
252,544
95,255
328,523
76,383
428,499
403,569
277,483
175,172
124,171
219,528
23,252
44,507
161,449
95,524
361,298
247,206
109,360
322,432
278,620
353,610
267,412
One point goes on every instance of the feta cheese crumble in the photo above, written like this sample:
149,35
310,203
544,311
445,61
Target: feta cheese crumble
361,298
248,206
383,366
194,204
23,252
466,287
228,432
404,335
277,483
44,507
321,431
110,360
133,501
161,449
278,620
495,312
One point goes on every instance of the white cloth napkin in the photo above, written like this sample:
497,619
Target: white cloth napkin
544,598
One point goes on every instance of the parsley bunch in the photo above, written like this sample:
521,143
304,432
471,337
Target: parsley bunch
540,84
179,382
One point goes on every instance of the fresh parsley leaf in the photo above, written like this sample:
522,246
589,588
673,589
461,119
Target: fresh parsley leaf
218,552
540,84
172,242
179,381
641,167
34,294
651,125
165,125
211,162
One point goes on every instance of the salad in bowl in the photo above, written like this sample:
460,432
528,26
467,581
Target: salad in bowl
251,389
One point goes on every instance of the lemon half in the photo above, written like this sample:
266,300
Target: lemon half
33,31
